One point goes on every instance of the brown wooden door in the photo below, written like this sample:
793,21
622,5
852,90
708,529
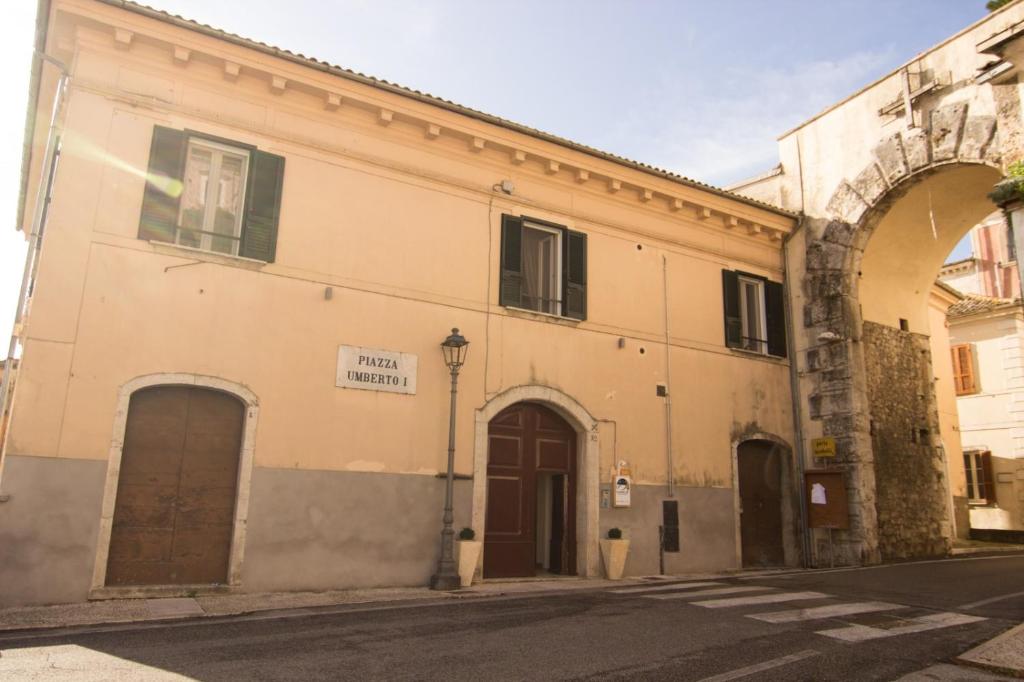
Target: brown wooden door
760,482
174,514
522,440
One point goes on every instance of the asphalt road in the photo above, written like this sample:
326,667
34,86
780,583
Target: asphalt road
912,616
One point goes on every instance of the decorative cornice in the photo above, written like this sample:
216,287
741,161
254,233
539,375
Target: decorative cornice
282,83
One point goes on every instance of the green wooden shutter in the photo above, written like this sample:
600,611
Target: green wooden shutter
511,288
160,202
262,206
574,275
731,307
775,322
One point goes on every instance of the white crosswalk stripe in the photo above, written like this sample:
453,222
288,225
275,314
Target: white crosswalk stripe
935,621
759,599
707,593
820,612
663,588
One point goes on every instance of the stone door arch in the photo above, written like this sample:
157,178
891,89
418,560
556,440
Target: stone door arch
588,454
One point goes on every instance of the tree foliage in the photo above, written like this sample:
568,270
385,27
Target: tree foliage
993,5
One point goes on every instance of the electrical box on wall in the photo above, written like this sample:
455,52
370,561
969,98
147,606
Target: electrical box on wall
622,486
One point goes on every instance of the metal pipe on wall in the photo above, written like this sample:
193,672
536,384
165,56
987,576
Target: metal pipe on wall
794,389
668,385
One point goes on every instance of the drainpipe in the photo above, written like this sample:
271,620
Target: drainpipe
35,240
668,385
794,387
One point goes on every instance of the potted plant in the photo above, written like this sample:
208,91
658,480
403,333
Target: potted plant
468,555
613,552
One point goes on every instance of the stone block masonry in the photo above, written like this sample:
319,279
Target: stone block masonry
909,470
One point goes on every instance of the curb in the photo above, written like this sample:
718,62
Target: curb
989,655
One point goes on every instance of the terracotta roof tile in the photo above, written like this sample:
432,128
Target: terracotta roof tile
972,304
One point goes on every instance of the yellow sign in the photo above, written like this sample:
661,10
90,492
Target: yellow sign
824,447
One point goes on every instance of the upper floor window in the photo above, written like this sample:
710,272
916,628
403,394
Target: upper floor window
755,313
212,194
212,197
543,267
964,378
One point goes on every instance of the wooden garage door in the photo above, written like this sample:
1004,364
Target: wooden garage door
174,513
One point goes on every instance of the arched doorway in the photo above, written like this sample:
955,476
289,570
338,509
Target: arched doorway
759,472
530,521
173,519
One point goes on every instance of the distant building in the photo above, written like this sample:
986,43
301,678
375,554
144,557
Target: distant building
987,348
991,269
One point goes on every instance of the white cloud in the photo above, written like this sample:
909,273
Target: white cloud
723,128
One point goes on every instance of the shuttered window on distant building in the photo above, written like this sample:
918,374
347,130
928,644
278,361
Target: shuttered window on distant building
964,378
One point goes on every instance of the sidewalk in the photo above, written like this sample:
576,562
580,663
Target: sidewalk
120,611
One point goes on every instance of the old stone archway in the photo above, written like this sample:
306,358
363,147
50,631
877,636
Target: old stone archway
868,271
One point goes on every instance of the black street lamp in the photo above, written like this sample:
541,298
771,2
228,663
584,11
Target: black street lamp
447,576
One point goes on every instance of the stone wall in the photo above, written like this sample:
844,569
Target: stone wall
910,497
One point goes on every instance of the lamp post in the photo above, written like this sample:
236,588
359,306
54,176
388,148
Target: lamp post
447,576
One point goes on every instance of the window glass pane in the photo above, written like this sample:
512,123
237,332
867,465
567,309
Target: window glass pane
540,271
750,303
230,189
194,195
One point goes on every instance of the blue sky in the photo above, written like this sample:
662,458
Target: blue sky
699,88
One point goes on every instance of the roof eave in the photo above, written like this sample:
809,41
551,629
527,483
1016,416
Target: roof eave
438,102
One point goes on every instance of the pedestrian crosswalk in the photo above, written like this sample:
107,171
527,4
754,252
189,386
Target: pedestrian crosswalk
886,619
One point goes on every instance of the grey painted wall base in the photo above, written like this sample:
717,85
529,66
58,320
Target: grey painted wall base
48,529
315,530
320,530
707,530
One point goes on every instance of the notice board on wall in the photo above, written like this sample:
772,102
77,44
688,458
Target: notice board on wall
827,505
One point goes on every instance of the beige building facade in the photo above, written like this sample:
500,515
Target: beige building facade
230,371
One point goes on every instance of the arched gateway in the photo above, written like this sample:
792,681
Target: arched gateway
887,181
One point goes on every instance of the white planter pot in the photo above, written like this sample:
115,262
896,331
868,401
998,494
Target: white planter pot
613,553
467,553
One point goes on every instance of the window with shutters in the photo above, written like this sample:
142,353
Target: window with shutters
212,194
981,487
754,313
963,369
211,199
543,267
752,325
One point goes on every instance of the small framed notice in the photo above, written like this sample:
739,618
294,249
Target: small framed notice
373,369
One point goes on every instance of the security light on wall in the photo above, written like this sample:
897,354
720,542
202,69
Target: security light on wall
507,187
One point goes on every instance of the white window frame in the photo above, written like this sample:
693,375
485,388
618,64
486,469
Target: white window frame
974,497
214,179
558,304
756,342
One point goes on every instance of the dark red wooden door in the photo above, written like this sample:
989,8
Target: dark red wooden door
760,481
523,440
174,514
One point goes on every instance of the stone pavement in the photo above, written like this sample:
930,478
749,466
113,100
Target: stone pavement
114,611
